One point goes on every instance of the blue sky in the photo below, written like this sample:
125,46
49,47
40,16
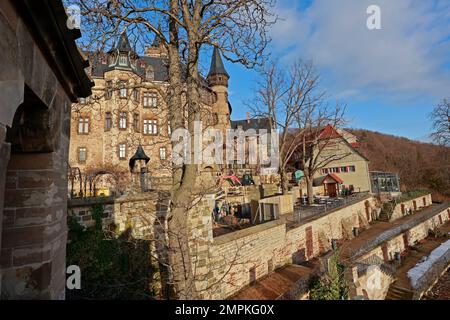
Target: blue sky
390,79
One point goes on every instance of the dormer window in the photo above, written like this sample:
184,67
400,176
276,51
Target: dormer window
123,60
122,89
150,74
112,59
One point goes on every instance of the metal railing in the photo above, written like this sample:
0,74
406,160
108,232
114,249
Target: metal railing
303,212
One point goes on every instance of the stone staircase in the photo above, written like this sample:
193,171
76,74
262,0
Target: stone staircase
399,293
386,211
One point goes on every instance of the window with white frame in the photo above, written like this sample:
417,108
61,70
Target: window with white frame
150,127
82,154
83,125
162,153
122,151
150,99
123,60
122,120
123,89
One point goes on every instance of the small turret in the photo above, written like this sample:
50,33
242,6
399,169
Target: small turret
138,167
217,75
157,48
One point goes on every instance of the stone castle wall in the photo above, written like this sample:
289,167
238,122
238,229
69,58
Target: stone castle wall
37,88
137,213
227,263
401,209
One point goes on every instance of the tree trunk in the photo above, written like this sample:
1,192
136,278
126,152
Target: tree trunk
184,178
178,270
284,182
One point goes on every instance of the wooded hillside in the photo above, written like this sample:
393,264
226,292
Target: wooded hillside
420,165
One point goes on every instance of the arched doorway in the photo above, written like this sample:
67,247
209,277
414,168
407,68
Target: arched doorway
33,245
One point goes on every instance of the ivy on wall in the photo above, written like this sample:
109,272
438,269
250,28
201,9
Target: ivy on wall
332,285
112,266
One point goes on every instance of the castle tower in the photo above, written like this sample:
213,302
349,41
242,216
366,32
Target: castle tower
157,48
218,80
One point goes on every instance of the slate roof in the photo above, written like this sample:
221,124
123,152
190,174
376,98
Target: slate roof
217,66
124,43
159,64
257,123
100,63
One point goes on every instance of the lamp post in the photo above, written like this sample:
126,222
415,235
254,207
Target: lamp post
138,168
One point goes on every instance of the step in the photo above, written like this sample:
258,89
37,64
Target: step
399,293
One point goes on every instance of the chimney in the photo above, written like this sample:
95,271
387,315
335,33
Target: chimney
248,117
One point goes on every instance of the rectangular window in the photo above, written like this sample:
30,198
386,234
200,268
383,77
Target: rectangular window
82,153
136,94
108,121
352,168
109,91
344,169
83,125
136,122
123,60
162,153
122,120
123,89
150,100
85,100
150,127
122,151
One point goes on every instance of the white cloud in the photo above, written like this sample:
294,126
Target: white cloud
409,57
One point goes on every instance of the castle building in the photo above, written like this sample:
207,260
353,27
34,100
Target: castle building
128,109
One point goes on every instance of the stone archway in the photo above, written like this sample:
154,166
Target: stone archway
108,179
35,231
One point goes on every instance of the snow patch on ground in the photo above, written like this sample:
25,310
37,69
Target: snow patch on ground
421,268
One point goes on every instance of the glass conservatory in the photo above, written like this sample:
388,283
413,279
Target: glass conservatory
384,182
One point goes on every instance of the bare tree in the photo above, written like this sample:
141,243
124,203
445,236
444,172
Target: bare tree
238,28
321,143
441,123
294,104
282,96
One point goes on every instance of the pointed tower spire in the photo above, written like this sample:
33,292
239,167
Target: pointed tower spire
157,41
217,75
124,43
217,67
